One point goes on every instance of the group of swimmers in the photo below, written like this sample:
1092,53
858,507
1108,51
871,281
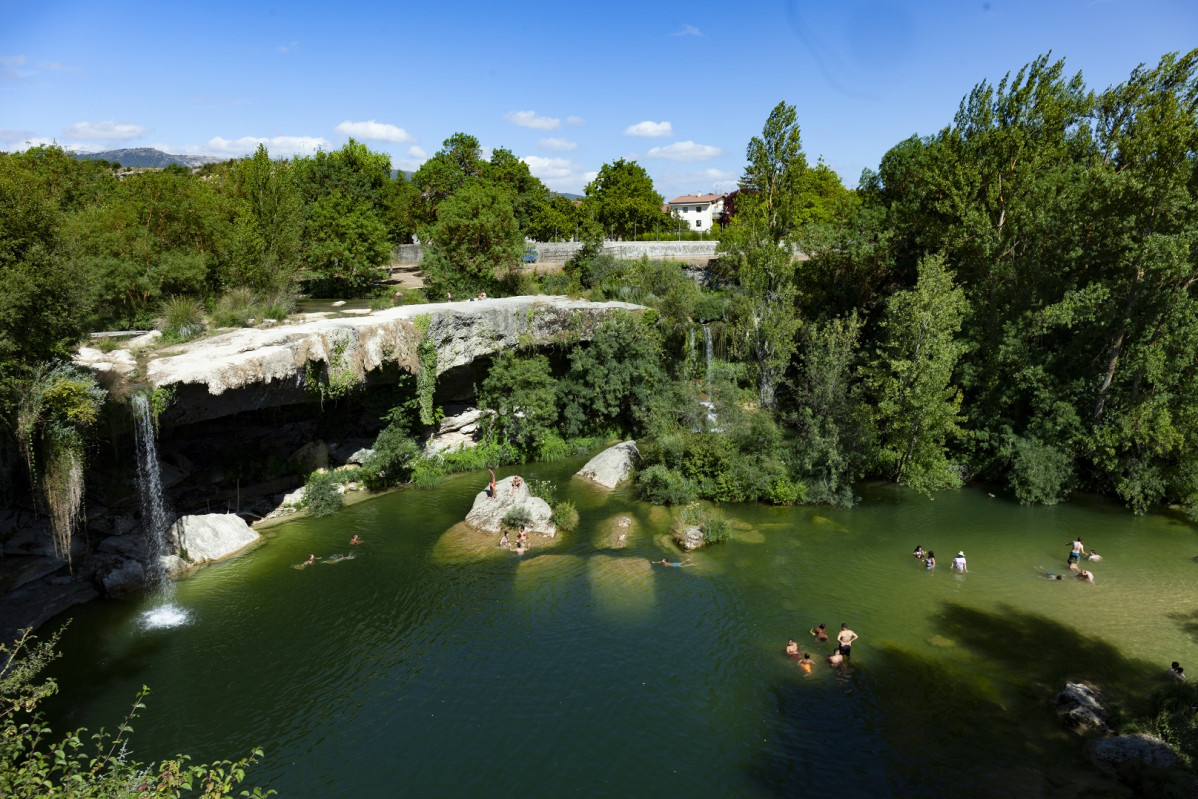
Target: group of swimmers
335,558
1077,550
929,559
521,545
844,647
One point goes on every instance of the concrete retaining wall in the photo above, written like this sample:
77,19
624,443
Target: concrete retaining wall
559,251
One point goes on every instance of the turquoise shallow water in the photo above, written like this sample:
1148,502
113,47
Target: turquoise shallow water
434,664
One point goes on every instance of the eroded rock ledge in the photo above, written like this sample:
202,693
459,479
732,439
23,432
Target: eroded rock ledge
256,368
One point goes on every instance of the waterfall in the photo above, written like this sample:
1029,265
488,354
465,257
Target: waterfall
154,518
707,344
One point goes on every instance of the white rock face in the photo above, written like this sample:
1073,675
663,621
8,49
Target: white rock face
254,368
613,465
457,432
210,536
121,362
487,512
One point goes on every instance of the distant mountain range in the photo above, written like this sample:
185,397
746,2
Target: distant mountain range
143,157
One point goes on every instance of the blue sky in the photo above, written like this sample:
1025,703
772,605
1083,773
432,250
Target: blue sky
678,87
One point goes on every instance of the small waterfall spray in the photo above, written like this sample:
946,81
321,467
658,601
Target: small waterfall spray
707,345
154,518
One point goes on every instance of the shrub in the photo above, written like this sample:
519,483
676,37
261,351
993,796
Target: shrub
552,447
323,494
558,283
182,318
516,517
1040,473
234,308
716,529
427,473
394,455
565,516
662,486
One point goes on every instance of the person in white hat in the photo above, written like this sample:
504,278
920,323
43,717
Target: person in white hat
959,562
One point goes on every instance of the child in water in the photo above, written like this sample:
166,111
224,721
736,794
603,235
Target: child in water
805,663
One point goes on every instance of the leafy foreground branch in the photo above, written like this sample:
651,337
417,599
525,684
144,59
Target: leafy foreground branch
34,763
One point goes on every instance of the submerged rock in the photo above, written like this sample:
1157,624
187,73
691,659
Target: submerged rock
488,512
613,465
210,536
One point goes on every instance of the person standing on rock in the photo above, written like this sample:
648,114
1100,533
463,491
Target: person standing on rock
491,487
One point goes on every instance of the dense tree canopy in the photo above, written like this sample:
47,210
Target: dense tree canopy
623,201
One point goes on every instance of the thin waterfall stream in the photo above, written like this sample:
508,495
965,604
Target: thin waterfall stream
155,520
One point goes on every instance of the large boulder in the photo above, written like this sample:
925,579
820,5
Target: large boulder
210,536
613,465
488,511
689,538
1126,756
126,576
460,431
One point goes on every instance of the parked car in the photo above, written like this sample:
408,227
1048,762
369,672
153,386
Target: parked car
530,256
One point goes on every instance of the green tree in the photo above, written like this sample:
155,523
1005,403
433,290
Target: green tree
346,246
522,392
917,406
623,201
269,223
833,437
613,378
475,236
458,161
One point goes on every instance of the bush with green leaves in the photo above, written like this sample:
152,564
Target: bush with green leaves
34,762
394,455
324,494
516,517
565,515
663,486
182,318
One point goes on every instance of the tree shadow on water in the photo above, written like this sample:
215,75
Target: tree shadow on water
1188,622
932,722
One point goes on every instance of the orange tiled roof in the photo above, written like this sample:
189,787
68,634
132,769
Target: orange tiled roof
697,198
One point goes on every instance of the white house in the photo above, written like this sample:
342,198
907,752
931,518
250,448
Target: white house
699,211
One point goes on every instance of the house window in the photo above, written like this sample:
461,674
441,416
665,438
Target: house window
698,223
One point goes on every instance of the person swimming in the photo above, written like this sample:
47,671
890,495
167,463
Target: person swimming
930,560
1093,556
918,553
355,540
337,558
503,542
820,631
792,648
674,563
805,662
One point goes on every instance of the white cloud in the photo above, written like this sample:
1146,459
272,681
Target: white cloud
685,151
559,174
17,141
575,120
650,129
416,151
13,60
688,30
278,146
529,119
106,131
290,47
56,66
10,67
373,131
559,145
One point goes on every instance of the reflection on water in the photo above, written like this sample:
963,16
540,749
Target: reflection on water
438,662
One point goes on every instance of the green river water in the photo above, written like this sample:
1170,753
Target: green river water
434,664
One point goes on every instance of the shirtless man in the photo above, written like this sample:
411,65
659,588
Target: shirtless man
820,631
845,638
836,658
491,487
1076,550
792,648
1088,576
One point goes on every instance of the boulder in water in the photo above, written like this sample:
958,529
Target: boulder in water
613,465
488,512
210,536
1125,757
1080,707
689,538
